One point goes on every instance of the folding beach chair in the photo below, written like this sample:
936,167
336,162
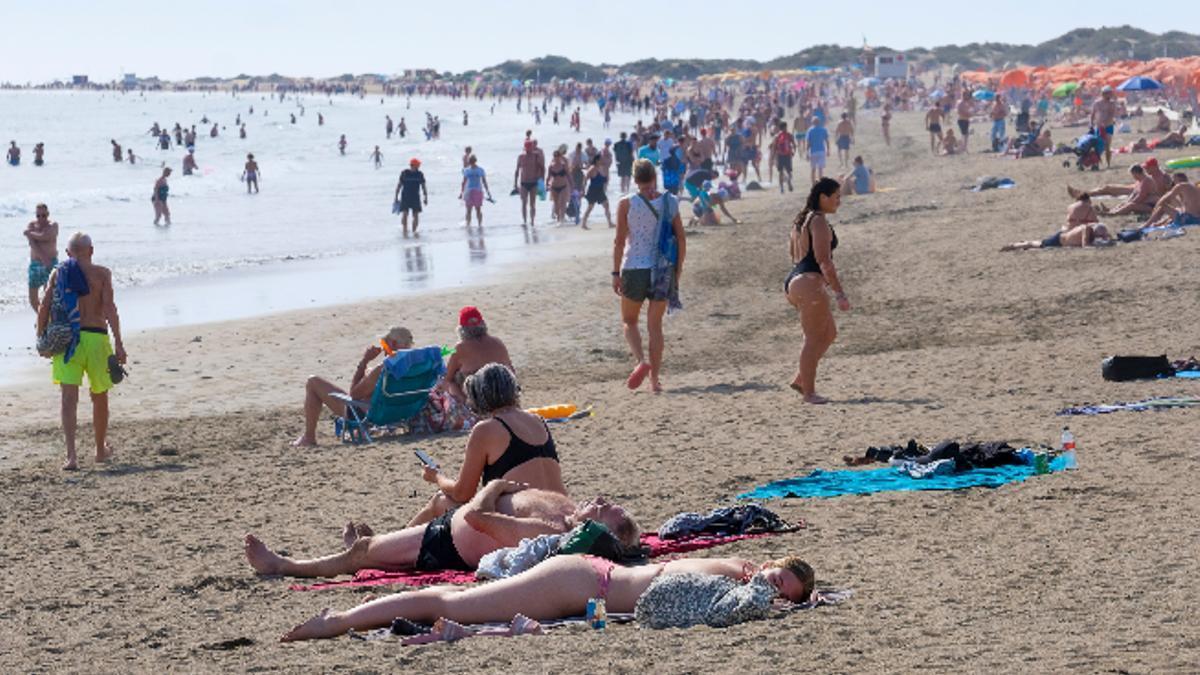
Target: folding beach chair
400,394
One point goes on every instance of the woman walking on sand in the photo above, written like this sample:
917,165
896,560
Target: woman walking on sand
811,248
636,253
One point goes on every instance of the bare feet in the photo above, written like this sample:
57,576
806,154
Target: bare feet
70,465
1074,192
656,386
105,454
797,388
638,375
303,441
815,399
352,532
261,558
323,625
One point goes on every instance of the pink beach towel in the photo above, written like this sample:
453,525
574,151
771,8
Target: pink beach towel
658,547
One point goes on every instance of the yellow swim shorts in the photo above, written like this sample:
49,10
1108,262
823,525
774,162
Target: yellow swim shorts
91,357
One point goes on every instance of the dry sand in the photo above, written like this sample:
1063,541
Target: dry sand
138,566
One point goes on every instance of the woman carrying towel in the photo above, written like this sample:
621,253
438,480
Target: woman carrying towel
635,254
811,248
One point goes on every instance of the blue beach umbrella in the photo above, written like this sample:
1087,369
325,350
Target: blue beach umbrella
1139,83
816,69
983,95
936,94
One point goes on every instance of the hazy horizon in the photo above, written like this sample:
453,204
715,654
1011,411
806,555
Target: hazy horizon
60,38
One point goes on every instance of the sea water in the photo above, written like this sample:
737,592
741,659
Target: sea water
320,232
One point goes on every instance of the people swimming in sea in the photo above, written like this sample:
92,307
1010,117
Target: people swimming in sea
251,173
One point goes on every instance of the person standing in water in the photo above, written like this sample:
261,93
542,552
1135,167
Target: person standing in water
409,191
117,154
42,234
342,144
14,154
39,152
159,198
251,173
473,186
189,163
377,157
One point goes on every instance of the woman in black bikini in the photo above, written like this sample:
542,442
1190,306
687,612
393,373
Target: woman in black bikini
811,248
511,444
560,185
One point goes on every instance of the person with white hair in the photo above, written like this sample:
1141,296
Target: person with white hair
319,392
89,351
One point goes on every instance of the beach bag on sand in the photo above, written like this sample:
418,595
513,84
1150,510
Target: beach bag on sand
1126,368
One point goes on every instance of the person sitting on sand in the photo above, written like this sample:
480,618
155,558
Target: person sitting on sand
1164,122
562,586
509,444
500,515
1140,145
475,349
1159,183
1180,206
1082,229
318,391
1143,197
860,180
949,143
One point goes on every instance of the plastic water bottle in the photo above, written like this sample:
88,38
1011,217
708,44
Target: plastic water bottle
1067,449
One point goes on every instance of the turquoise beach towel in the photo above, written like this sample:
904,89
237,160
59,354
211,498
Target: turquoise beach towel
857,482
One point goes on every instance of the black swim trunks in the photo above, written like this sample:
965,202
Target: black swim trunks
437,547
529,187
964,127
1053,241
935,128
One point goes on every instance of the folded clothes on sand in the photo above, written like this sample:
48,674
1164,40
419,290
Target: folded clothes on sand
966,455
1158,403
899,478
657,547
726,520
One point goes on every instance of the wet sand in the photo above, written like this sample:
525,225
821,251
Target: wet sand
138,566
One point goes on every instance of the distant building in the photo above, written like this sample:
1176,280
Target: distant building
891,66
79,80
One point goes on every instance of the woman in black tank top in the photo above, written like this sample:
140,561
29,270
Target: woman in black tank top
811,247
509,443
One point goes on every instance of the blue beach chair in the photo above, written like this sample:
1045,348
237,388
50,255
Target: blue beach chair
400,394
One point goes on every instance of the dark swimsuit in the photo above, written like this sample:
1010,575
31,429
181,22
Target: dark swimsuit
557,174
517,453
809,262
437,547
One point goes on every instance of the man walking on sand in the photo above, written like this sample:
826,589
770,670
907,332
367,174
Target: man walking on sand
966,108
1104,118
90,351
42,234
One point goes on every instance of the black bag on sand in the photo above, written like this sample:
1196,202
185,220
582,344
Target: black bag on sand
1125,368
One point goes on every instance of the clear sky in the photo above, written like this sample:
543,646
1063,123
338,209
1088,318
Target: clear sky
48,39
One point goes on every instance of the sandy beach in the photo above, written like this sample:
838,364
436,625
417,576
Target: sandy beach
138,566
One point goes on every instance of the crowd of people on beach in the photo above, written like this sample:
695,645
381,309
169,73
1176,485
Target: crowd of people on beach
509,485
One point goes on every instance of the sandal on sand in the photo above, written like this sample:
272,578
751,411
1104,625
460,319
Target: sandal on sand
638,376
523,625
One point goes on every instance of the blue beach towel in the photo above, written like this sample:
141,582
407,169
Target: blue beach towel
851,482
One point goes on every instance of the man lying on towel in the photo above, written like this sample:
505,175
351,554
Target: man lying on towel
500,515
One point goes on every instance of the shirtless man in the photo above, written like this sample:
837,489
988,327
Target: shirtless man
377,157
189,163
501,514
475,349
1179,206
251,173
1141,199
933,122
1081,229
318,391
1104,117
530,166
342,144
117,155
97,315
999,115
844,135
39,154
966,108
14,154
707,148
42,234
1159,182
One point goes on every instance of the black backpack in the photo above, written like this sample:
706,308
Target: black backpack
1125,368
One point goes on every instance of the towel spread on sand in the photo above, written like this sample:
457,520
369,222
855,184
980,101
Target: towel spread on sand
850,482
658,547
1158,403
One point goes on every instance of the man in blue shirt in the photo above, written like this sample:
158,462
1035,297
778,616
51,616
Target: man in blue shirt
860,180
650,150
817,140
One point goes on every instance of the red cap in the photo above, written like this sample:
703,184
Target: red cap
414,162
1150,162
469,316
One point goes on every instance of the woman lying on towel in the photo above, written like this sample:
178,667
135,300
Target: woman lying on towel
509,444
680,593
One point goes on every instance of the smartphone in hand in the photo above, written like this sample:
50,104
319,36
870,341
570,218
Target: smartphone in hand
425,459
